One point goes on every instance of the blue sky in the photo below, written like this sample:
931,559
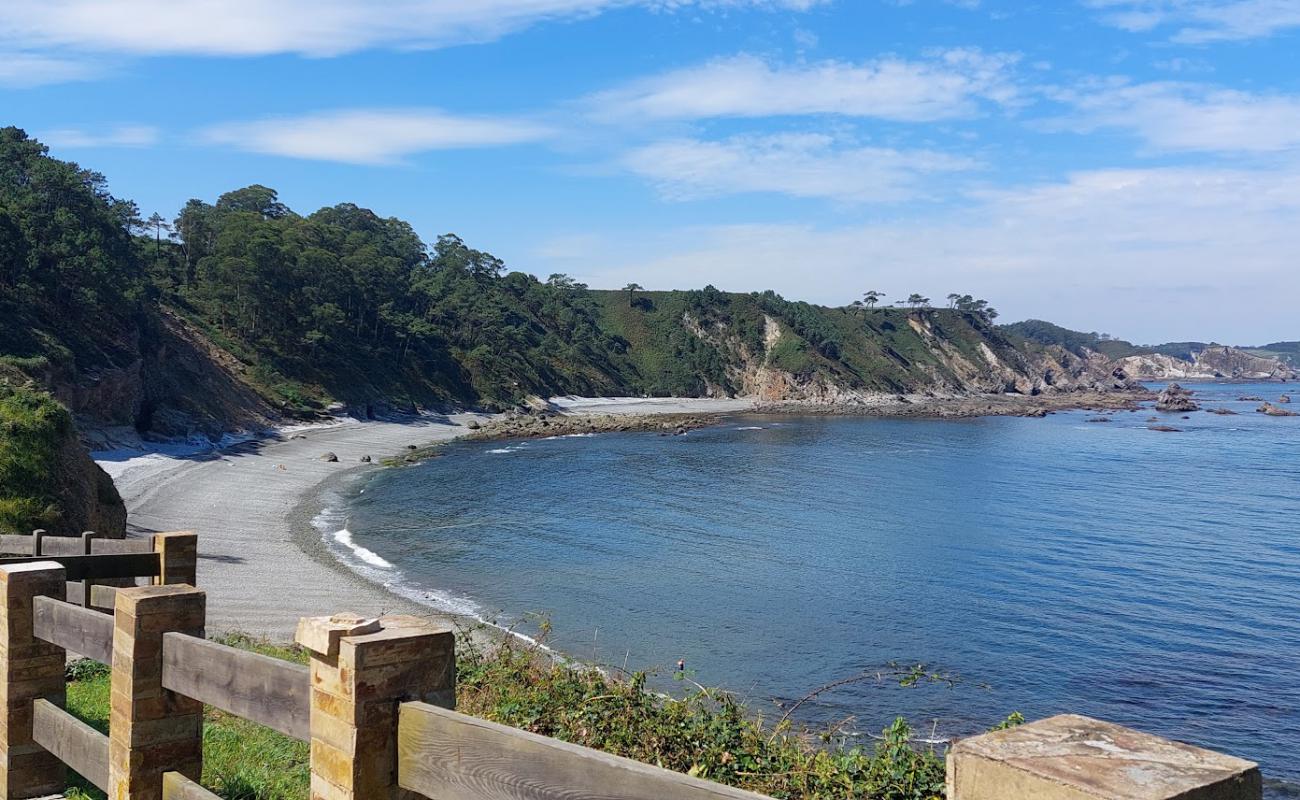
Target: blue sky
1128,166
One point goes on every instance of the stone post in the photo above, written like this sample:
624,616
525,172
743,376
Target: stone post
1069,757
29,668
361,671
178,557
151,730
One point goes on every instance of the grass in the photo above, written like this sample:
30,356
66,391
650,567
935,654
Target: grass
705,733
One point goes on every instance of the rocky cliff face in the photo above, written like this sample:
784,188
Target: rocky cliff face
946,366
169,380
87,499
1214,362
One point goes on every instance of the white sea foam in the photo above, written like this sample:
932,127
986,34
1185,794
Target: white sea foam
344,537
750,428
504,450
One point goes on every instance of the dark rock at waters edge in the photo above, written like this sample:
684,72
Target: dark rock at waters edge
548,425
1273,411
1223,412
993,405
1250,398
1286,398
330,457
365,459
1097,419
1176,398
1164,429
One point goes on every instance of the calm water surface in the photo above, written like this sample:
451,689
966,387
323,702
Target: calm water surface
1050,564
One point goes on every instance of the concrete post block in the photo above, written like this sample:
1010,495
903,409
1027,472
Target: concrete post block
151,730
358,681
1070,757
29,669
178,557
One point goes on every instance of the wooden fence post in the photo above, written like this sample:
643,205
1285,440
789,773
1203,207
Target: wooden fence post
178,557
361,671
87,547
29,669
151,730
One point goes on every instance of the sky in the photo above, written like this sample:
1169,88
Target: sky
1122,166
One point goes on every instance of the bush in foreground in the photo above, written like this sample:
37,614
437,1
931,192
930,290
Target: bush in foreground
706,733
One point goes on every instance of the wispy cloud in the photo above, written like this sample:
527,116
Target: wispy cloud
1188,117
307,27
21,70
106,136
952,84
1201,21
1111,250
371,136
800,165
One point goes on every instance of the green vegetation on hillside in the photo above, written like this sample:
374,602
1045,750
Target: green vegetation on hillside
345,305
1045,333
706,733
33,428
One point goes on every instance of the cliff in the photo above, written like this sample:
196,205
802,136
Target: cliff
1164,362
1213,362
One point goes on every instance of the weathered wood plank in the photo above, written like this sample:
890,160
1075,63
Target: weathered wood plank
101,597
108,565
442,754
17,544
178,787
266,690
62,546
74,742
80,630
114,546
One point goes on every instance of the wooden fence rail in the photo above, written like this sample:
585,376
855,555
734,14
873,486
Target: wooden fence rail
268,691
79,630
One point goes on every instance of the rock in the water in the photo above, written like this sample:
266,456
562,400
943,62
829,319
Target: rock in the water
473,425
1250,398
1286,398
1098,419
1223,412
330,457
365,459
1164,429
1175,398
1274,411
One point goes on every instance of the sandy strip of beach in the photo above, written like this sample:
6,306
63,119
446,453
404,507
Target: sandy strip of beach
261,563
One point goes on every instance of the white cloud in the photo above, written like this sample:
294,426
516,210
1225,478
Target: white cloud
802,165
1189,117
954,83
371,136
108,136
307,27
24,70
1154,255
1201,21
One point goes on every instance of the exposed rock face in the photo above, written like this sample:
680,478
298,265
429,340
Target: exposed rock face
1214,362
170,382
1274,411
87,498
1177,399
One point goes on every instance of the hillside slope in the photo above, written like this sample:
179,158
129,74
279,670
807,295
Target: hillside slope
1170,361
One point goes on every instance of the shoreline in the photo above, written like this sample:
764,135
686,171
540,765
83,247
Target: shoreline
254,502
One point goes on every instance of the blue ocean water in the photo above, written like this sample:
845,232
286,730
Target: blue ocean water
1049,565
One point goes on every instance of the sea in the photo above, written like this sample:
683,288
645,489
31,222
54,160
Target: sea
1080,563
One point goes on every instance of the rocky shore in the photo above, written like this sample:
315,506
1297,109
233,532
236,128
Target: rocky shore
547,424
998,405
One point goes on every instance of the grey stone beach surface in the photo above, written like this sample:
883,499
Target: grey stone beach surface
261,561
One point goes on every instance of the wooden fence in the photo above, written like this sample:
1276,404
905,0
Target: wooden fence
375,703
